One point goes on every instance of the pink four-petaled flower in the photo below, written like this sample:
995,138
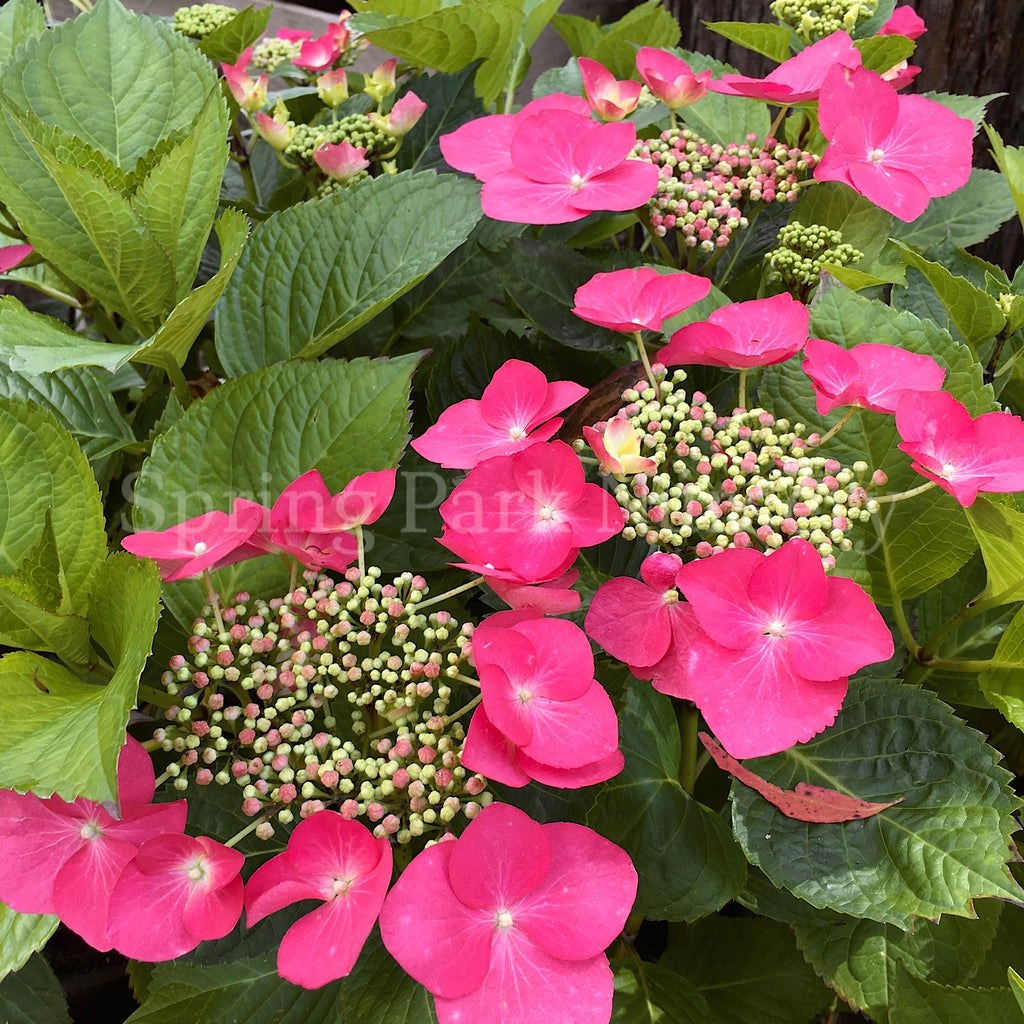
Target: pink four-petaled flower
637,298
670,79
610,98
515,920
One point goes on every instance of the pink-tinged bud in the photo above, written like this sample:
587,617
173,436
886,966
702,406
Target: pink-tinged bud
390,825
204,777
239,768
381,82
287,793
329,779
246,736
341,162
443,778
670,79
349,809
400,779
475,785
403,748
375,811
404,114
320,53
249,95
308,807
276,130
879,477
618,449
332,88
426,754
251,807
177,662
609,98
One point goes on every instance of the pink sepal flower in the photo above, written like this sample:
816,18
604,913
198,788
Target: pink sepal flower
565,167
312,525
338,861
634,299
618,448
320,53
402,116
332,87
276,131
249,95
869,375
904,21
780,641
897,151
178,891
609,98
209,541
519,916
295,35
341,161
530,512
552,597
798,79
538,688
963,454
64,858
12,255
670,79
759,332
381,81
483,147
516,410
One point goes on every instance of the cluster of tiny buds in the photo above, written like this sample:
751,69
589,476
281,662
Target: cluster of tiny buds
804,250
199,20
743,480
814,19
336,694
355,129
703,186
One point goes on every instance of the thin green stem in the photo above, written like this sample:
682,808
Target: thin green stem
251,827
211,596
642,349
465,679
913,492
741,397
930,648
464,710
514,71
906,633
777,122
659,243
688,719
361,549
475,582
953,665
836,427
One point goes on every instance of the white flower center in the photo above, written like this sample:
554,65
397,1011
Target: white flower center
576,182
199,549
547,513
948,471
775,629
503,920
525,696
196,871
91,830
517,433
341,886
876,156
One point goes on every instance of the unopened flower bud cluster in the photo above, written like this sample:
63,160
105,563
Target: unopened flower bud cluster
355,129
269,54
199,20
745,480
704,187
804,250
812,20
335,695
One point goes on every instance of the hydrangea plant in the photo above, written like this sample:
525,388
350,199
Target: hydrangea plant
469,556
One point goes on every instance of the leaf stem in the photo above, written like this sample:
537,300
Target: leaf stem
913,492
475,582
642,349
688,719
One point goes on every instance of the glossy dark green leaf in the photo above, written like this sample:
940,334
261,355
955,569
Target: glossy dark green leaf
648,993
33,995
918,1001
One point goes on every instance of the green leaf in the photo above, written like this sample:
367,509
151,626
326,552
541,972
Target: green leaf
580,34
253,436
451,102
747,969
1016,986
648,993
313,274
20,20
172,342
27,622
1009,160
719,118
944,845
686,858
244,991
542,279
41,467
771,41
378,991
455,35
999,529
646,24
968,215
859,958
976,314
834,205
880,53
77,399
1003,684
970,107
32,995
21,935
225,44
918,1001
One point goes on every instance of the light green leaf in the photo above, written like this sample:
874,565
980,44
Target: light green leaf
253,436
970,107
313,274
772,41
455,35
1009,160
859,958
27,622
173,340
976,314
225,44
41,468
747,969
968,215
21,935
686,858
580,34
32,995
1003,684
19,21
944,845
1000,531
919,1001
646,24
834,205
880,53
647,993
1016,986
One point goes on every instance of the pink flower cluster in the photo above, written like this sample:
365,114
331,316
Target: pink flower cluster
306,522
